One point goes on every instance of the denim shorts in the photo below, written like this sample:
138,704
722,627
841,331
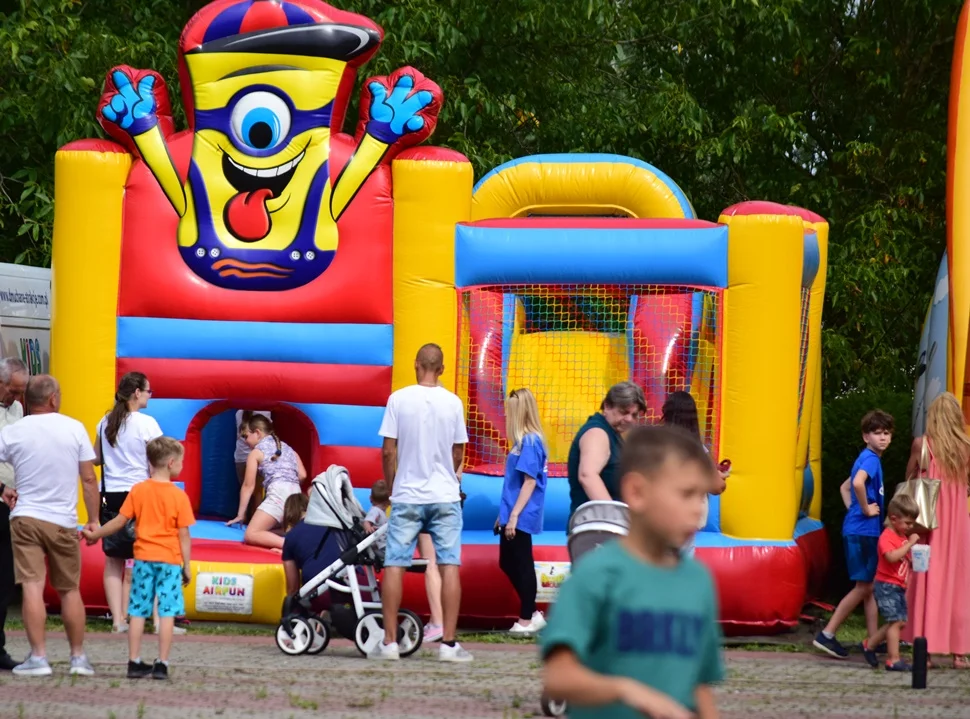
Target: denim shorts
155,579
442,521
861,556
891,600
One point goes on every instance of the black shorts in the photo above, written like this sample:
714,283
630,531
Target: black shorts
113,502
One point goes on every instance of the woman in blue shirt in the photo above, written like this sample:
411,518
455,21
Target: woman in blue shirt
520,510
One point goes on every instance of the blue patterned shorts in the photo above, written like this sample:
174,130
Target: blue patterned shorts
891,600
155,579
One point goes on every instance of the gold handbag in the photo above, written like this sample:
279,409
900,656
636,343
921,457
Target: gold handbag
924,491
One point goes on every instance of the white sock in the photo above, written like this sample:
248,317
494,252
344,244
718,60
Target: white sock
828,635
136,660
163,662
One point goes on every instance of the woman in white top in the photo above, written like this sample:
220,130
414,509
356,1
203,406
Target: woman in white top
241,453
681,410
120,450
282,471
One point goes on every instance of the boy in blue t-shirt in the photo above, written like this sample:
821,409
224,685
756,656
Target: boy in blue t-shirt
634,630
860,532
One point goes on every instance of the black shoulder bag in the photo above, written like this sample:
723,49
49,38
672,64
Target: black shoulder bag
121,544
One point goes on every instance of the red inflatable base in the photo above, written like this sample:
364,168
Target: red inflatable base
762,589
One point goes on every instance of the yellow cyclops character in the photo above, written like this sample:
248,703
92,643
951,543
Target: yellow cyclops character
258,208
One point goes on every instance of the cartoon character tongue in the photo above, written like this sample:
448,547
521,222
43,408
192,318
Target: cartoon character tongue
247,216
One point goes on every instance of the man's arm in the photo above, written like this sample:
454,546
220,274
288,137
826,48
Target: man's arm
594,453
89,487
458,457
389,461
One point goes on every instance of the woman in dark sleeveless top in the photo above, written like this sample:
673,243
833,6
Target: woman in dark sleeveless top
594,455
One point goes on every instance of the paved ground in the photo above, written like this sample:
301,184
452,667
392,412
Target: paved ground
249,677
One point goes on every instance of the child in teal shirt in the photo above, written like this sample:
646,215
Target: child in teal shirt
634,630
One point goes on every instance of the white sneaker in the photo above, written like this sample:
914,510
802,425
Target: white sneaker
176,630
455,654
119,628
523,630
385,652
81,666
33,667
539,621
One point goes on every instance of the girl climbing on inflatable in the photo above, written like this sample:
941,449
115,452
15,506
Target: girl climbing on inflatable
282,472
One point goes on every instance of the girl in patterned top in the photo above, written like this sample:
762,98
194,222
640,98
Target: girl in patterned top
282,472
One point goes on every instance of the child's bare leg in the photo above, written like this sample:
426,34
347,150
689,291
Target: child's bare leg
166,627
136,628
892,641
871,610
859,593
259,532
877,638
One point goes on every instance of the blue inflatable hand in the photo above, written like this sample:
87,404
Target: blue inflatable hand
394,116
132,109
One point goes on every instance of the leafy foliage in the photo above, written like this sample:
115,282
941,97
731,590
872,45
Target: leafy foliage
835,105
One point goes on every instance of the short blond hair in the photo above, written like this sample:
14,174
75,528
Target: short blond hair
161,450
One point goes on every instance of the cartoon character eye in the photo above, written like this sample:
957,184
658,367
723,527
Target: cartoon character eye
260,120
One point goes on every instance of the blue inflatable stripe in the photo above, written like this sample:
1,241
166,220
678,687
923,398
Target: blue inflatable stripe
175,415
164,338
509,303
579,159
336,424
510,255
345,425
630,335
811,260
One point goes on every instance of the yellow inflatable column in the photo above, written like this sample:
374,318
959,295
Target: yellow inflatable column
759,382
432,193
89,187
810,431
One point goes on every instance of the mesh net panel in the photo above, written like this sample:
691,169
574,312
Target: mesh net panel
569,344
803,349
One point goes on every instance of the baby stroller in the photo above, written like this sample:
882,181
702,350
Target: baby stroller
354,561
592,524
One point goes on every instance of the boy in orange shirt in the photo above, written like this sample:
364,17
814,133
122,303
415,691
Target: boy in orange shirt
162,515
892,575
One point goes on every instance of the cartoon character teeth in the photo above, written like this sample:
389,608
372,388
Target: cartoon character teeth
263,82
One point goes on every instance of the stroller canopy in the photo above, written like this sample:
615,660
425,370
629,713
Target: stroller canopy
332,500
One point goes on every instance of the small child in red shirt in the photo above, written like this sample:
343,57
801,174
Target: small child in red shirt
892,576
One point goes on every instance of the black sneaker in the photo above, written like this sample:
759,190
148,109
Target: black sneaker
899,666
832,647
7,662
138,670
870,656
160,670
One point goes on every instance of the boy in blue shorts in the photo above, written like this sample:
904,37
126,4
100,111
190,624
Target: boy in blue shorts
162,515
860,532
634,630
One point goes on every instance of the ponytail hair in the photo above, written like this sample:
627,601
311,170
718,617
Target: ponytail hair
259,422
129,384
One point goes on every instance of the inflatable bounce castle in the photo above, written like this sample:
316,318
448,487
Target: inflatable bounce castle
944,349
264,259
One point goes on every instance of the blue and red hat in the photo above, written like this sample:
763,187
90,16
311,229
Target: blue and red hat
280,27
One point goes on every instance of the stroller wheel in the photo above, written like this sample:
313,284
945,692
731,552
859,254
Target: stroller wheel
297,639
368,632
410,632
552,708
321,635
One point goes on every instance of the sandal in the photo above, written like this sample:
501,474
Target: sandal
961,662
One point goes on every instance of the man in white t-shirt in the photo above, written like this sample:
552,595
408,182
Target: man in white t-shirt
13,382
48,451
424,441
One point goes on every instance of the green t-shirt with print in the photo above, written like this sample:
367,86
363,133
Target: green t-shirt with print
625,617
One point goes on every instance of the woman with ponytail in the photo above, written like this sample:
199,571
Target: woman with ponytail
123,435
282,472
